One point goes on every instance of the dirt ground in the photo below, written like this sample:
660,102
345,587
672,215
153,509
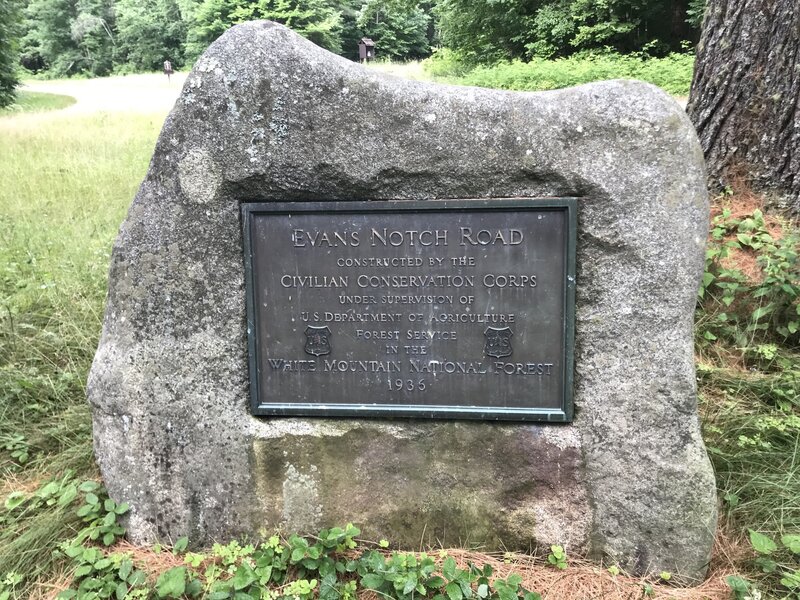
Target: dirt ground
146,93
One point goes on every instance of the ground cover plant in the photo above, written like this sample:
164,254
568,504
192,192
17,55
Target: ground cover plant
672,73
67,182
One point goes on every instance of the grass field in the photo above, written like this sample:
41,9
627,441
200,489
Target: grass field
37,102
67,182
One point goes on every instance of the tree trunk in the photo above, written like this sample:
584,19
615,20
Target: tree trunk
745,96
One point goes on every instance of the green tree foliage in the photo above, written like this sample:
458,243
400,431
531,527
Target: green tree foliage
93,32
400,32
149,32
96,37
316,20
70,36
47,43
9,32
484,32
487,31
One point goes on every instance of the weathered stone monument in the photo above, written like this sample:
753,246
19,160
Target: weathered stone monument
340,296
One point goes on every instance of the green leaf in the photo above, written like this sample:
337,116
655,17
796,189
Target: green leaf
108,539
14,500
171,583
68,495
194,588
453,591
88,486
298,554
762,543
449,568
48,490
532,596
121,591
792,542
125,568
410,584
791,580
763,291
92,499
244,576
372,581
762,311
82,571
483,591
121,508
732,499
766,564
109,505
180,545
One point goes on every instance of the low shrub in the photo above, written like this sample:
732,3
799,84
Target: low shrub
672,73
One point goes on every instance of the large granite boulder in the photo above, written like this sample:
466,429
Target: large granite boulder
267,116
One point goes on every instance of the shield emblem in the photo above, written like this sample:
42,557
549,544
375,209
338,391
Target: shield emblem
498,342
318,340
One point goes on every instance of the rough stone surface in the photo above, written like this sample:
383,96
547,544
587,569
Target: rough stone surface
265,115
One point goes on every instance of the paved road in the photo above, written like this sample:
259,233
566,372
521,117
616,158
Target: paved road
148,93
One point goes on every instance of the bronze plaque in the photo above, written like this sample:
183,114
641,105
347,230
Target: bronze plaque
436,309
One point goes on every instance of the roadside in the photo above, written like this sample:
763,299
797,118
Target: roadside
144,93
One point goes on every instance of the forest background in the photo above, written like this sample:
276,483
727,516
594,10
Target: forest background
58,38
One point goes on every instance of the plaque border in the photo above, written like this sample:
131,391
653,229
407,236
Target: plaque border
445,411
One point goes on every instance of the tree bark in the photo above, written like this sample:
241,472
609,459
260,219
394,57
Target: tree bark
745,95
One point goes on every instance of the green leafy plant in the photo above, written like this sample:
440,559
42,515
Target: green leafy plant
298,568
100,514
782,561
557,557
8,583
17,447
742,308
100,576
740,587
